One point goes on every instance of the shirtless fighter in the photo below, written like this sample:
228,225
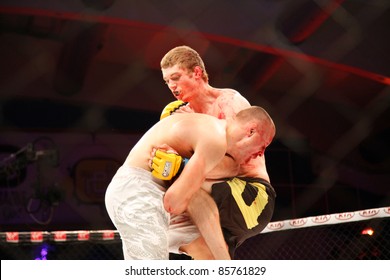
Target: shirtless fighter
242,205
139,204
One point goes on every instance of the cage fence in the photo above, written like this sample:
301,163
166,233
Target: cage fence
360,235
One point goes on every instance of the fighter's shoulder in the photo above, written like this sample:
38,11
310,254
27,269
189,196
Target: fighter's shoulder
233,95
193,118
198,126
188,124
230,91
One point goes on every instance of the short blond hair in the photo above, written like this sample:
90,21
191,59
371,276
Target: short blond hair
186,58
260,115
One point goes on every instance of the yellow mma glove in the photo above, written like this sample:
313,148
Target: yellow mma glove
171,108
166,166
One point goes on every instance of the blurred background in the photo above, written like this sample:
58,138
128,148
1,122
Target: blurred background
80,83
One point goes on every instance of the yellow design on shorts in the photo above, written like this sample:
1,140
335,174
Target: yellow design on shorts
252,212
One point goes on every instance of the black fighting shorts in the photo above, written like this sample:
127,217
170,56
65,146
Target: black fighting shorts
246,206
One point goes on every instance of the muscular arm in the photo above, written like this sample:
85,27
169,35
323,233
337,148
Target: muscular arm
179,194
208,152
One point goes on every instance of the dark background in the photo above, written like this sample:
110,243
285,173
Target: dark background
80,82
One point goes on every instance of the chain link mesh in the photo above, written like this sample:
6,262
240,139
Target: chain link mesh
331,242
343,241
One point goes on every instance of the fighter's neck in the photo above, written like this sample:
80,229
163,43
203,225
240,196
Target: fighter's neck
205,100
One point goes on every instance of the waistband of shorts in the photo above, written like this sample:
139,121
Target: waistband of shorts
270,190
142,174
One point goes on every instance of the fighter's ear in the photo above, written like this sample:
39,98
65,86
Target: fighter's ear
251,131
198,72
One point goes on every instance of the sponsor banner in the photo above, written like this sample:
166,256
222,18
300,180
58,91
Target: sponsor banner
59,236
328,219
83,235
107,235
12,237
36,236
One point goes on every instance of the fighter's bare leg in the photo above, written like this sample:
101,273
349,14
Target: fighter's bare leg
198,250
204,213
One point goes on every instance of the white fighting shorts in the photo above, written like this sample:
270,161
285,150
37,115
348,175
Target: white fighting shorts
134,203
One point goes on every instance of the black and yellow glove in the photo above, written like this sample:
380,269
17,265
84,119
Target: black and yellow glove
171,108
166,166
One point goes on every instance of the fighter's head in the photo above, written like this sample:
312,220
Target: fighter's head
186,58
